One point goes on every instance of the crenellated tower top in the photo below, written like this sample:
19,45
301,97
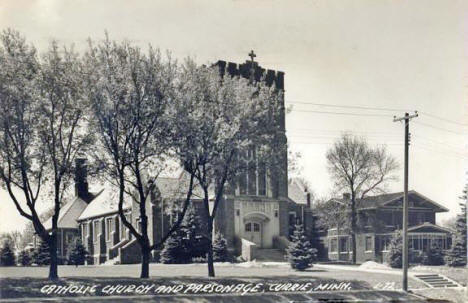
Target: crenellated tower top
251,70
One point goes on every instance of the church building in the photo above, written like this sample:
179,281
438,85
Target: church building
256,216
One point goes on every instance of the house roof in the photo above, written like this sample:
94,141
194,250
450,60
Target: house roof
106,202
68,214
297,191
428,227
385,200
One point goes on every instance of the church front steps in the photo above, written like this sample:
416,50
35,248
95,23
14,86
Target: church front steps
270,254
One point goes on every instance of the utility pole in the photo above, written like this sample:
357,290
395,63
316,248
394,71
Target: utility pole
406,118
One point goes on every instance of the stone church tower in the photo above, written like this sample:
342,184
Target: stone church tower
257,208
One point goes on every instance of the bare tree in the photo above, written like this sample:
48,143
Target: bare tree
358,169
220,120
42,127
130,93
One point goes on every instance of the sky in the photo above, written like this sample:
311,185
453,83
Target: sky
340,58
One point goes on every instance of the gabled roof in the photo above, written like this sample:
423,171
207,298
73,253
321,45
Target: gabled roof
106,202
176,188
68,214
297,191
428,227
385,200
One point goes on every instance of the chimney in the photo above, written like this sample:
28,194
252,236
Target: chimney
81,179
308,200
346,196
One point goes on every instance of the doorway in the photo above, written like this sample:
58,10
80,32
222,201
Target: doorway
253,232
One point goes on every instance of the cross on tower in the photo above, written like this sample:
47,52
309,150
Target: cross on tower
252,65
252,56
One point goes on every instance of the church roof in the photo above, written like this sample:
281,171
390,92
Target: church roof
106,202
297,191
176,187
396,200
68,214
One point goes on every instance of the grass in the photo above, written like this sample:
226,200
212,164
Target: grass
31,287
26,282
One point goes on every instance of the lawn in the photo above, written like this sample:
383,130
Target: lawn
200,271
27,282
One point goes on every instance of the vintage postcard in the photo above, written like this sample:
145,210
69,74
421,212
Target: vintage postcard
233,151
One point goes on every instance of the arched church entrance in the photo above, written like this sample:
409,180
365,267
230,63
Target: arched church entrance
253,232
254,225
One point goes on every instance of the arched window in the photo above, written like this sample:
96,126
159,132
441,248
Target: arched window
248,227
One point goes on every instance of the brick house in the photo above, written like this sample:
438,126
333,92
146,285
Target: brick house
380,217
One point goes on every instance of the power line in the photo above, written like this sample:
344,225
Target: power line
373,115
340,113
377,108
445,153
349,106
444,119
444,144
439,128
392,139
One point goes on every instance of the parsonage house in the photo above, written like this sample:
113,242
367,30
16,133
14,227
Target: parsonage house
380,217
256,216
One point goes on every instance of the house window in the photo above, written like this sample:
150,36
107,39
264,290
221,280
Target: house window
238,212
95,230
385,243
344,244
123,229
248,227
276,213
333,245
138,224
68,238
84,230
421,218
368,243
108,228
292,218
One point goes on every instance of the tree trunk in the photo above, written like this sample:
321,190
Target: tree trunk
353,226
53,269
209,254
353,243
145,258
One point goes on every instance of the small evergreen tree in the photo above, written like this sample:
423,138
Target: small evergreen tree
77,253
7,257
300,252
41,255
186,243
433,255
194,243
24,258
394,257
457,256
173,251
220,249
